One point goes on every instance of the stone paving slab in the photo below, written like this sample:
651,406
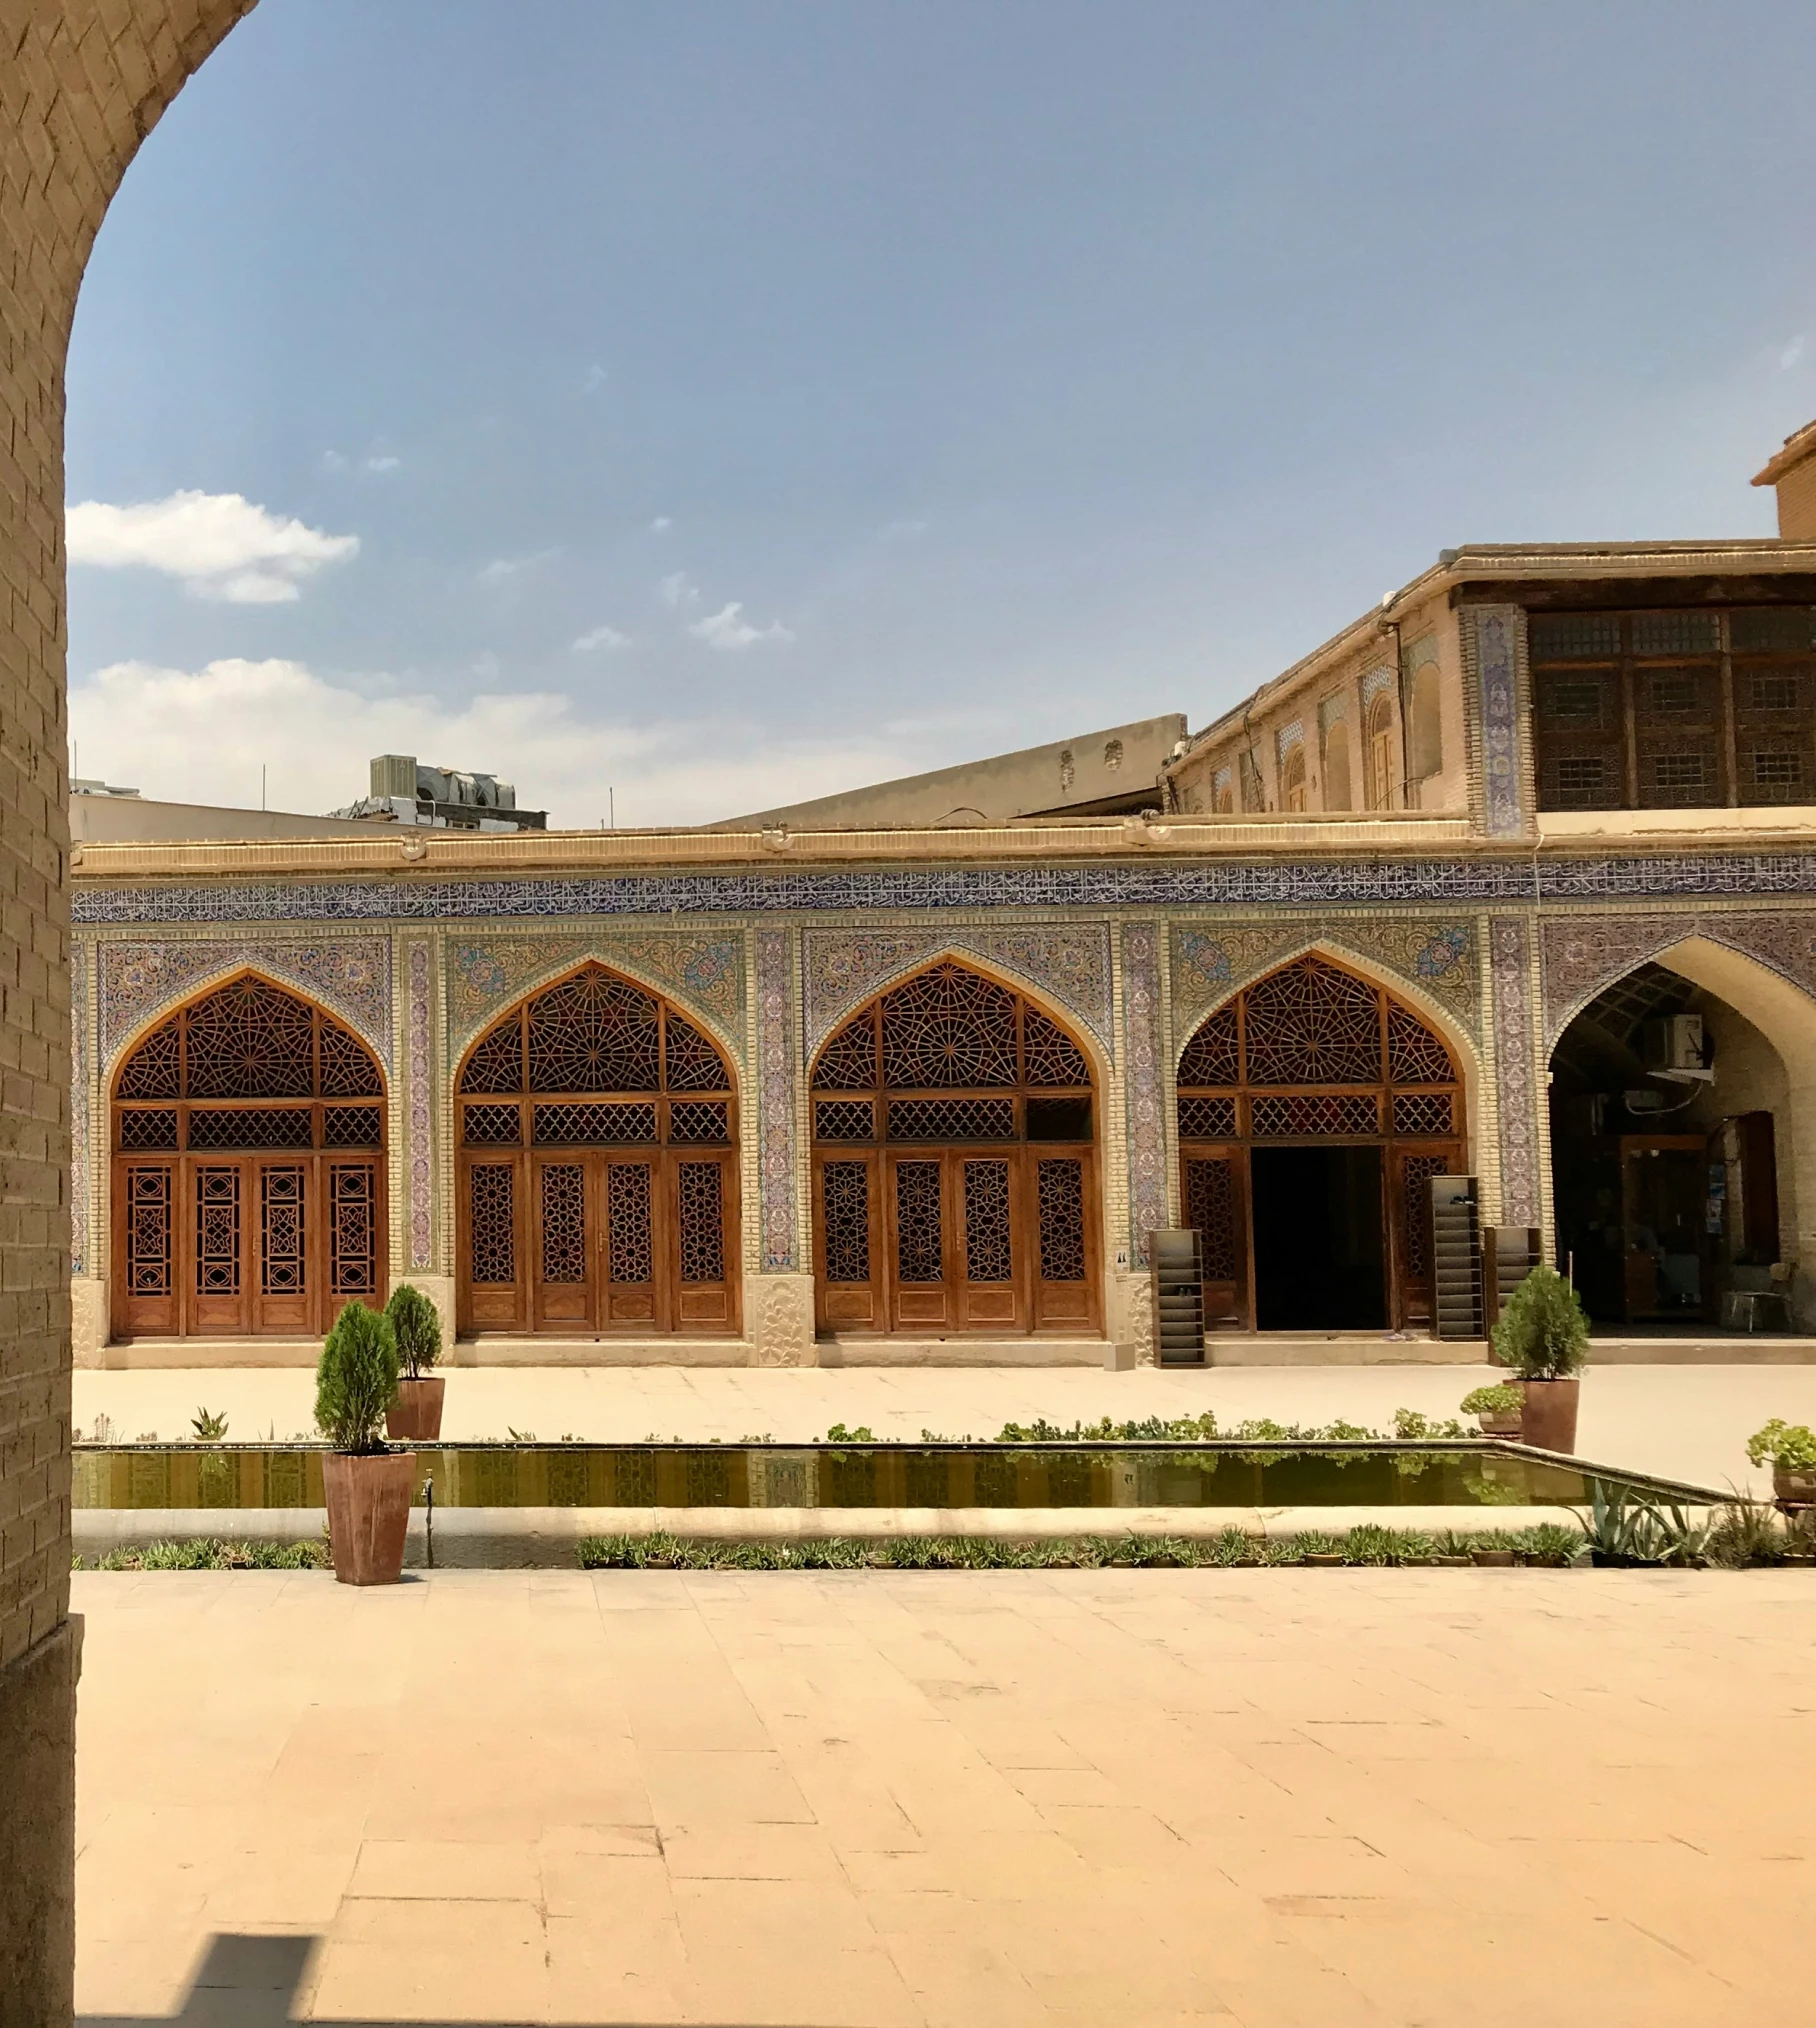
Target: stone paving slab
1680,1422
1279,1799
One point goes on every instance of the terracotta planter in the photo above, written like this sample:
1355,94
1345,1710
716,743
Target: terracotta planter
368,1514
415,1416
1793,1486
1548,1420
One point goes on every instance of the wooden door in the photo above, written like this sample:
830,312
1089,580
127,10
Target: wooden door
989,1277
491,1223
284,1268
1063,1187
1216,1198
1409,1229
632,1248
919,1227
848,1242
703,1207
147,1253
564,1258
220,1249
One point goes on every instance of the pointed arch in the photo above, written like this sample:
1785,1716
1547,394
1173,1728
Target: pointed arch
1065,966
1317,1092
954,1128
598,1187
248,1128
575,956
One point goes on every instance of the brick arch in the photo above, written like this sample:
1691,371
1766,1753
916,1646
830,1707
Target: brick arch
1258,1085
1581,956
82,82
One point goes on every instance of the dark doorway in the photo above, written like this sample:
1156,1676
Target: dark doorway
1319,1262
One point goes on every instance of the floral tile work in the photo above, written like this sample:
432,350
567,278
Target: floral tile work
1510,958
705,971
137,981
775,1068
1068,964
422,1098
1147,1134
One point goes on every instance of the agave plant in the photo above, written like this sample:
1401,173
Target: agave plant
1622,1527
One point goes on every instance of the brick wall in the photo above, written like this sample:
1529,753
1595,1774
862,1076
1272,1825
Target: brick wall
81,83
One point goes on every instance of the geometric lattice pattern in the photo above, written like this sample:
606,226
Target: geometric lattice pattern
1210,1207
248,1040
988,1256
1320,1052
845,1215
919,1228
952,1119
630,1234
701,1196
353,1230
1062,1219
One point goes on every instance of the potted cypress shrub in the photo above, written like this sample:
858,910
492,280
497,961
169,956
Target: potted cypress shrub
1543,1336
1790,1449
368,1487
415,1416
1497,1408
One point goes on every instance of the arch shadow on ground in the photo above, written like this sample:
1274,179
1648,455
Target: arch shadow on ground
253,1981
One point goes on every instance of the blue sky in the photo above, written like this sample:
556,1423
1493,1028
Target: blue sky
730,403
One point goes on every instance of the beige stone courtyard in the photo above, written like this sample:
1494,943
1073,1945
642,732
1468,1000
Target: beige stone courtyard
1280,1799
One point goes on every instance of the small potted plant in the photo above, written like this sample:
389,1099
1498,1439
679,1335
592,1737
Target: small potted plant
1790,1449
368,1487
1543,1336
1497,1408
415,1416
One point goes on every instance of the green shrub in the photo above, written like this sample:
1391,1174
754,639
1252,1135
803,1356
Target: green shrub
1498,1399
1412,1425
209,1427
416,1325
1543,1333
356,1381
1789,1444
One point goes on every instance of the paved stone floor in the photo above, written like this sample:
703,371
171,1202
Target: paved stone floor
1688,1422
1279,1799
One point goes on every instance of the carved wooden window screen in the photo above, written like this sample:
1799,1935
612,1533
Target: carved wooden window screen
1312,1052
353,1229
1698,708
585,1050
207,1077
845,1202
947,1056
148,1232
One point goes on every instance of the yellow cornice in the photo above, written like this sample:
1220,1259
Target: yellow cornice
554,854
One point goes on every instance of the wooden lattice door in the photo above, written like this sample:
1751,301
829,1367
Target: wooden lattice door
248,1178
1312,1056
598,1183
955,1177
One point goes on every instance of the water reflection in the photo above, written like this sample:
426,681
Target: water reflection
1028,1476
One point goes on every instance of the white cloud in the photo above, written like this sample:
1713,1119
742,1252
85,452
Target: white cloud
724,629
201,736
221,545
502,569
608,638
661,525
1791,354
595,379
674,590
387,463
